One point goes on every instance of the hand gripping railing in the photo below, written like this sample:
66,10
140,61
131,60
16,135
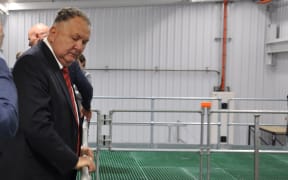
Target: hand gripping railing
84,171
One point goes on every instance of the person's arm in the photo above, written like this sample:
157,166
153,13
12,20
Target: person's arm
8,102
88,76
84,87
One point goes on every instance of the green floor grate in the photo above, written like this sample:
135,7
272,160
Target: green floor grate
120,165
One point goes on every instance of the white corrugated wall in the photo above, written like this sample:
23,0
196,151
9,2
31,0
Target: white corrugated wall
154,50
165,50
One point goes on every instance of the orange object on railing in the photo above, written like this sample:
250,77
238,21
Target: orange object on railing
206,105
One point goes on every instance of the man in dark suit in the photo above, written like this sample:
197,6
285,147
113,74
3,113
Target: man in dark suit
39,31
47,144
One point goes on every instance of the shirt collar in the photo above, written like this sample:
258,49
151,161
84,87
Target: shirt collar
45,40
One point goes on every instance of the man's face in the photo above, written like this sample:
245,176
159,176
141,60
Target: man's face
68,39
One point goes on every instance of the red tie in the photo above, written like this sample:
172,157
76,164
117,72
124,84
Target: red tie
66,76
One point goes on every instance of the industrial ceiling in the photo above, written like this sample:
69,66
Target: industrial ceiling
14,5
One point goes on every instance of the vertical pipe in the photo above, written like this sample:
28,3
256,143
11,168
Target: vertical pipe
256,146
224,45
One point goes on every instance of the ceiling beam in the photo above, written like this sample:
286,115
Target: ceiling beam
97,3
85,4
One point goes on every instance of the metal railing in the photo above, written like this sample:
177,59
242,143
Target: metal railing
257,114
205,113
152,108
250,100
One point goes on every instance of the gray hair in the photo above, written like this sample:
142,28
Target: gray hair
68,13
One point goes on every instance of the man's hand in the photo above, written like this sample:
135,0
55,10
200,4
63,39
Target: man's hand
86,160
86,151
86,113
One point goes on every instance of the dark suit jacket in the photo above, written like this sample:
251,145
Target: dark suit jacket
8,102
46,143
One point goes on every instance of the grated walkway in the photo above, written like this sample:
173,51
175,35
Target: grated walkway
123,165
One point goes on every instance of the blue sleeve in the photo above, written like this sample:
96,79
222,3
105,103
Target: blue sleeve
84,87
8,102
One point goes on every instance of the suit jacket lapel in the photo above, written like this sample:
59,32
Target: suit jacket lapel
51,61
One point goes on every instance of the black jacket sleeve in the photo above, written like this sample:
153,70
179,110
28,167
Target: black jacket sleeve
8,102
84,87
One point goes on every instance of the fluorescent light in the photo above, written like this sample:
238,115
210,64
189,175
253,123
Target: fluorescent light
3,9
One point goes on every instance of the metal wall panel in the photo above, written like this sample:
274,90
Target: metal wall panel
151,39
246,49
163,50
279,14
246,62
275,75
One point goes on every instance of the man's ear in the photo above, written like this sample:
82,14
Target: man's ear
52,32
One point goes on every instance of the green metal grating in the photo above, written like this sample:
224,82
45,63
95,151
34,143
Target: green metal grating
119,165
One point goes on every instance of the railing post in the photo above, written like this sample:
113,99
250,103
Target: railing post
206,106
201,144
84,171
109,121
219,125
256,146
99,127
152,120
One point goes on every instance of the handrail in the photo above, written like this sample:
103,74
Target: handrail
204,113
156,98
